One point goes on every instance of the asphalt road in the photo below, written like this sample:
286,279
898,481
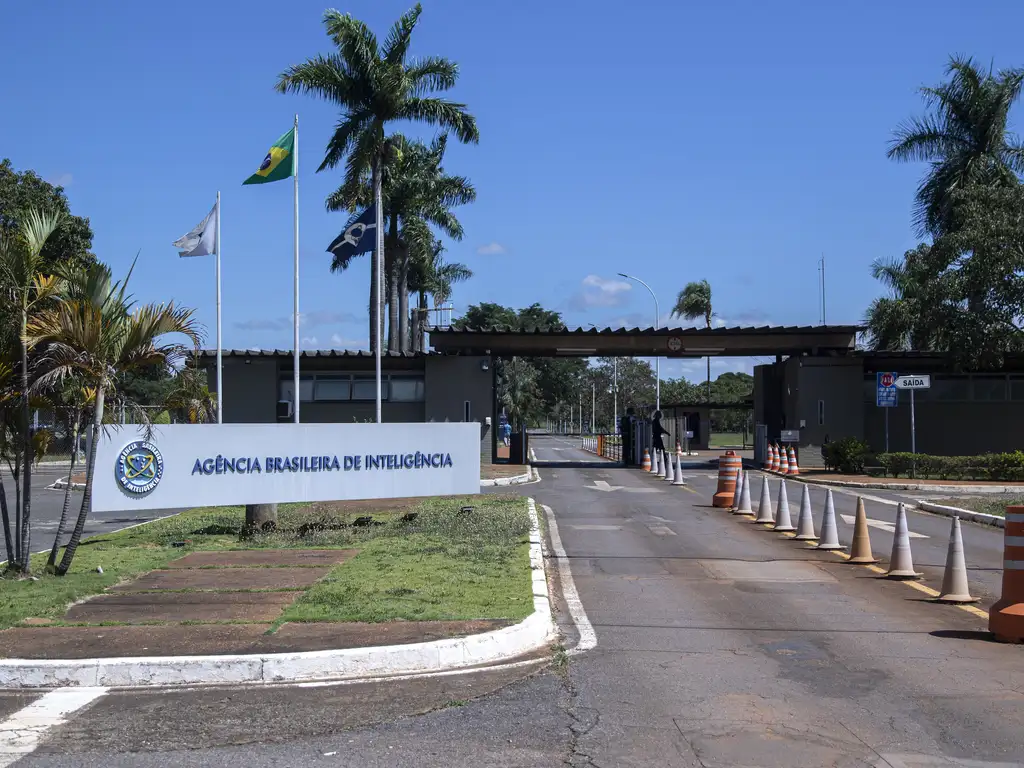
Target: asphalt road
718,643
47,504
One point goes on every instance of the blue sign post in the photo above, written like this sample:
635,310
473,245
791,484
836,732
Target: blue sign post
886,396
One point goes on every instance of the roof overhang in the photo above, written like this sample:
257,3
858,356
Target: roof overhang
648,342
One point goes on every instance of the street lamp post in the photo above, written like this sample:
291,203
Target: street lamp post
615,393
593,407
657,325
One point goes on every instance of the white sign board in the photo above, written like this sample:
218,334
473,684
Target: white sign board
190,465
920,381
790,436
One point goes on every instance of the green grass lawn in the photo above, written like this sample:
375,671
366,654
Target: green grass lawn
988,504
721,439
442,565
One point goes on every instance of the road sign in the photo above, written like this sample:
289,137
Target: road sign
886,394
675,343
919,381
790,436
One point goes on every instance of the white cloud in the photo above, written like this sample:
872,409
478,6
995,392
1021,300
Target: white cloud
599,292
63,180
491,249
309,342
339,342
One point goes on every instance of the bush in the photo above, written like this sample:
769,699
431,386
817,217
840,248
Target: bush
847,455
987,466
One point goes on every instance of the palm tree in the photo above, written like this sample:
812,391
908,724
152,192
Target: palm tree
905,319
97,334
191,396
965,140
430,273
373,86
21,261
416,192
694,301
76,399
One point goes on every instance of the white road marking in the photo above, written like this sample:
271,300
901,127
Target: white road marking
21,733
588,638
661,530
603,485
882,525
597,527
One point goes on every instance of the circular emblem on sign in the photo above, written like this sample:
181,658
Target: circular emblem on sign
266,162
887,379
139,467
675,343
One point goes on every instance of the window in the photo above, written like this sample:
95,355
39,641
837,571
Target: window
989,388
286,389
821,412
365,388
950,388
407,389
333,388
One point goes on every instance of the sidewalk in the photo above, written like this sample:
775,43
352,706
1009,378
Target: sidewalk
823,477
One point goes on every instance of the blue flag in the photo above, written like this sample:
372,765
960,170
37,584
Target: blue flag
359,236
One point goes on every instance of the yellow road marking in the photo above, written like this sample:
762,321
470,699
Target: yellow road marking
979,612
688,488
922,588
876,569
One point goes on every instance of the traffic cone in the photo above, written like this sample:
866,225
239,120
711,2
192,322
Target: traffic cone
783,461
793,468
861,550
661,465
783,523
740,474
901,564
774,450
829,532
654,462
743,508
670,471
678,479
646,466
805,524
764,507
954,580
767,463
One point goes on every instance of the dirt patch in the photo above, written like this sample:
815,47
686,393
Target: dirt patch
221,639
182,606
225,579
115,642
263,557
361,505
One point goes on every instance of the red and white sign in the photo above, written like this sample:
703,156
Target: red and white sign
888,379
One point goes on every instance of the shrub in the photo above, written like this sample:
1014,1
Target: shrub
987,466
847,455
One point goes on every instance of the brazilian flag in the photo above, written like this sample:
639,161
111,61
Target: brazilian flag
279,162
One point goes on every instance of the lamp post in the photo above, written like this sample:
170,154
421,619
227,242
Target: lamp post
615,393
593,407
657,325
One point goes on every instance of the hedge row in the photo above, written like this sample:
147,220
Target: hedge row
854,456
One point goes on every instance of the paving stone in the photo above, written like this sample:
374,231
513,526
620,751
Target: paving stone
263,557
225,579
182,606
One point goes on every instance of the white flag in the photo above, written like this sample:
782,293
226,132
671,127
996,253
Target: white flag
202,240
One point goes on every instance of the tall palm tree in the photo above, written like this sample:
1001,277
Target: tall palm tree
373,86
904,319
416,192
21,261
191,397
76,399
693,302
98,334
966,139
430,273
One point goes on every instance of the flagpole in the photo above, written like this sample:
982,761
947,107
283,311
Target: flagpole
295,366
379,231
220,366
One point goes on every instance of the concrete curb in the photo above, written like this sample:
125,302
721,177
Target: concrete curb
514,480
979,489
536,631
963,514
61,484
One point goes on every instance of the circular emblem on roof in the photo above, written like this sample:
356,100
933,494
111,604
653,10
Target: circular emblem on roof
139,467
266,162
675,343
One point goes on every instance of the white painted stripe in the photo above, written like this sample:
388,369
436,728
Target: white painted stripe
1015,517
588,638
21,733
661,530
1013,565
1013,541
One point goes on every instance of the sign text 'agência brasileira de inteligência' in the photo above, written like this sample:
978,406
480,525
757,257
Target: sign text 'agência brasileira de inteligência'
161,468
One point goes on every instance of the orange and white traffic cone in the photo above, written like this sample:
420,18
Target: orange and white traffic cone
767,463
646,466
774,451
783,461
794,469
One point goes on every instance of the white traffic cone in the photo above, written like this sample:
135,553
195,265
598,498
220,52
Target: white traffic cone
783,522
764,507
829,532
954,580
805,524
661,464
901,564
654,461
670,471
740,474
678,479
743,508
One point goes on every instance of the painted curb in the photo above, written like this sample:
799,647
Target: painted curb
536,631
61,484
963,514
979,489
514,480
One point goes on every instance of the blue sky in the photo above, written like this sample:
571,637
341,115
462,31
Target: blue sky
732,141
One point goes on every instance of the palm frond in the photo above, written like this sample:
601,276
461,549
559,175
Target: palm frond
431,75
445,114
396,46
